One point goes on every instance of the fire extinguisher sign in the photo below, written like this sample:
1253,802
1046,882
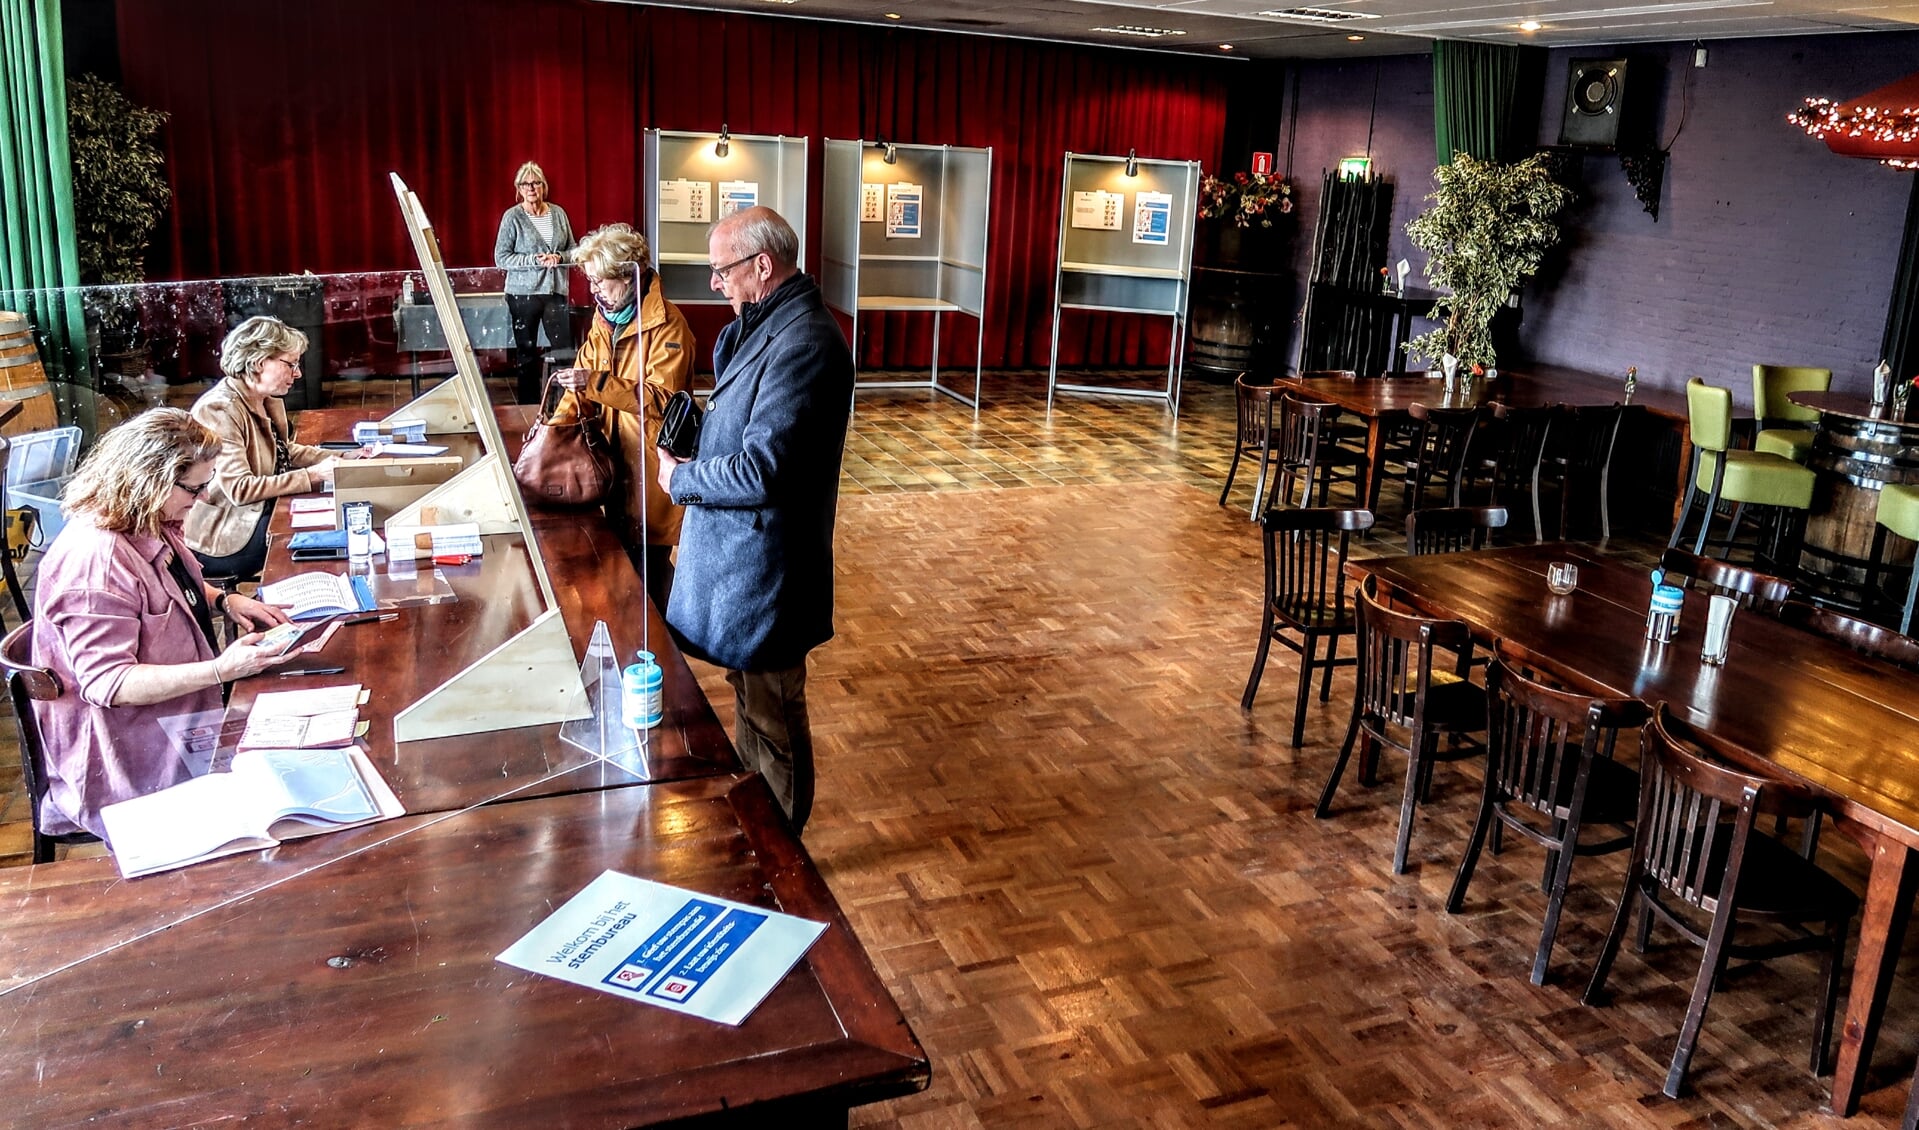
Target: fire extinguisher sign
1262,162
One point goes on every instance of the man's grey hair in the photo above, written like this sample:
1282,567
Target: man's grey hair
762,231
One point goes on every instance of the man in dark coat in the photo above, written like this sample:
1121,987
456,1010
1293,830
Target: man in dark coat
754,590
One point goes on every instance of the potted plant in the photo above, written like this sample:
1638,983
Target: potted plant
1486,233
119,194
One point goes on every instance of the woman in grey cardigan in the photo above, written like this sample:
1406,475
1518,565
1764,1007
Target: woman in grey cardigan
533,246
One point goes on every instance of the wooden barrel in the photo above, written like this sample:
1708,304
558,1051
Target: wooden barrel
1854,457
1235,323
23,378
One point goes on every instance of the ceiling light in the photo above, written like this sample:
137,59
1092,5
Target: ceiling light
1529,25
892,15
1142,32
1316,15
1355,39
1225,47
782,1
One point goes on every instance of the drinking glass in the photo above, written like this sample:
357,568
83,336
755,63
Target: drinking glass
1562,577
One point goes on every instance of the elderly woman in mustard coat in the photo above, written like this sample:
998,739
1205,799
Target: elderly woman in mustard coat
637,355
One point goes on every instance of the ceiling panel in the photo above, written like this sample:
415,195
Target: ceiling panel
1389,26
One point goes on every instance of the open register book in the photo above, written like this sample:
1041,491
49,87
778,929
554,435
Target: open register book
268,796
315,596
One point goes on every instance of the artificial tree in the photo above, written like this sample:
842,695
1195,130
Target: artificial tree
119,179
1486,233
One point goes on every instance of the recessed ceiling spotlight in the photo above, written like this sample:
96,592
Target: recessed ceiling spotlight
1355,39
892,15
1142,32
1225,47
1529,25
782,1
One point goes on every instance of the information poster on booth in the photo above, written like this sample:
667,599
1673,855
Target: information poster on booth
686,201
872,203
1098,210
1152,217
671,948
903,211
738,196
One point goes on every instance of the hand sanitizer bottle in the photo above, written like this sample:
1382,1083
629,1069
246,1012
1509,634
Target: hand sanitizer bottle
641,698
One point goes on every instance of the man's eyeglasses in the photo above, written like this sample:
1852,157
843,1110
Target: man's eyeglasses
195,491
719,273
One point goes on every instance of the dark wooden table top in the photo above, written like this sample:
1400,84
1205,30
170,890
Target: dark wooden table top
1539,386
367,992
1851,406
1825,715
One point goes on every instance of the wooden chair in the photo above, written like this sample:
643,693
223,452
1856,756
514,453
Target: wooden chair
1438,457
1862,636
1398,691
1744,478
1522,453
1550,774
1254,435
1306,453
14,589
1697,852
27,684
1306,595
1761,592
1582,454
1451,529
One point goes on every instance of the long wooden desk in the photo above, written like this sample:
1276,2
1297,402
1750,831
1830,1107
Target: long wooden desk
361,960
1384,402
366,993
1794,704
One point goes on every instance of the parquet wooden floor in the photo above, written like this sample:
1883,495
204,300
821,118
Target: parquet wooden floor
1096,886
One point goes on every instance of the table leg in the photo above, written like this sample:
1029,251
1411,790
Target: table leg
1375,449
1889,891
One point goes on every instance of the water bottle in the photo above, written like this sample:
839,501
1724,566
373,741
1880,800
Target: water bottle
641,700
407,297
359,533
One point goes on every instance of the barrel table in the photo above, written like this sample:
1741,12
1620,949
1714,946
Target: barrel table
1856,451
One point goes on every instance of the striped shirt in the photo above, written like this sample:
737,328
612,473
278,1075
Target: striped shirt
544,225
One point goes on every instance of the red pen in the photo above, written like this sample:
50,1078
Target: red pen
452,558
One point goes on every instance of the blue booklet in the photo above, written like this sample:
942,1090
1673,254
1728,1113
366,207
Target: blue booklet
318,539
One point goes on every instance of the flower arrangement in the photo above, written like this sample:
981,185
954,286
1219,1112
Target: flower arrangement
1248,199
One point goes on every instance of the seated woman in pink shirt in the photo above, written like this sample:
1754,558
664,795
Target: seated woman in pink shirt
124,619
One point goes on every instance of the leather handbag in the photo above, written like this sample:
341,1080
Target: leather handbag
565,464
680,426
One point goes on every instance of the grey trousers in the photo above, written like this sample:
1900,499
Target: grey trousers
774,739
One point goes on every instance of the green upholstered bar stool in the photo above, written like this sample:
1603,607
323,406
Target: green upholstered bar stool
1899,514
1747,478
1780,432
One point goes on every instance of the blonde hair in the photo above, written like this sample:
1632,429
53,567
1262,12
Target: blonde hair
529,172
126,480
256,341
613,251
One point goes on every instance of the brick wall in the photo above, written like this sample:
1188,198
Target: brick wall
1767,246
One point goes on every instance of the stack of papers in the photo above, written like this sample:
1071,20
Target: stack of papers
312,512
318,718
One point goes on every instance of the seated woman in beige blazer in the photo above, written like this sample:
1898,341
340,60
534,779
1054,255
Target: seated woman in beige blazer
257,463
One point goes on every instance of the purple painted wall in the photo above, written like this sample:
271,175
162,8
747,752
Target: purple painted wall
1767,247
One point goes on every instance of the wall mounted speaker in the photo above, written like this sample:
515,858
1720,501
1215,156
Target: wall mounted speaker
1595,90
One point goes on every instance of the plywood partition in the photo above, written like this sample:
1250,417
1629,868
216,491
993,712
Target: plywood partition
533,677
1141,264
878,257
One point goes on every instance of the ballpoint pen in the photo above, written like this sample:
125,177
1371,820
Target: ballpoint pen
311,671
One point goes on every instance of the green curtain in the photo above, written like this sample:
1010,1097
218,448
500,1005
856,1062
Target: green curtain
1486,99
1900,346
39,258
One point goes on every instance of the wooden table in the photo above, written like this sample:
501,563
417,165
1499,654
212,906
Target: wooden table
1855,451
1384,402
354,971
1794,703
366,992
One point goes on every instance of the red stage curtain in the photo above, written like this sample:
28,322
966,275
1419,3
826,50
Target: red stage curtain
285,120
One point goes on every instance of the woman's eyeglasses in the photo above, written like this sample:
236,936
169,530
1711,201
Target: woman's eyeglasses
197,490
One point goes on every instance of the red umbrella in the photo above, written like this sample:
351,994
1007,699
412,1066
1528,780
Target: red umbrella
1880,126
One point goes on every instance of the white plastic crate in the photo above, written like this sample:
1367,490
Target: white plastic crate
36,457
